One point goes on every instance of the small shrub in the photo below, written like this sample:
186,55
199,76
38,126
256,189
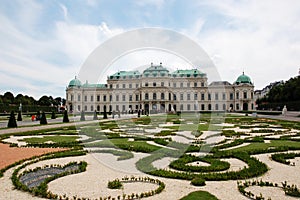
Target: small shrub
66,118
115,184
198,181
43,118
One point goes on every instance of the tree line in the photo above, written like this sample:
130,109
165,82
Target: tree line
287,93
9,99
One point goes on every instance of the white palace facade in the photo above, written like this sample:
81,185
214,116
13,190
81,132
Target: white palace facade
157,89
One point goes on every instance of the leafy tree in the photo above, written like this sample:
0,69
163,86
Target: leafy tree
19,116
8,98
66,118
82,117
12,120
43,118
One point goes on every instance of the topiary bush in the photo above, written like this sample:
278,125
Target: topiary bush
66,118
53,116
19,116
12,121
197,181
115,184
43,118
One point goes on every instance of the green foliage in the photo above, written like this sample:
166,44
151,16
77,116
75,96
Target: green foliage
165,133
282,157
43,118
53,115
66,118
12,120
115,184
19,116
198,181
199,195
215,164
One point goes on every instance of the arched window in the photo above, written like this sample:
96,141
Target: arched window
146,96
162,96
154,96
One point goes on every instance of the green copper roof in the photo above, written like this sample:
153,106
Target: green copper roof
188,73
156,70
75,83
243,79
89,85
130,74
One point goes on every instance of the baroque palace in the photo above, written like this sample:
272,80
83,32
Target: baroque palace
158,90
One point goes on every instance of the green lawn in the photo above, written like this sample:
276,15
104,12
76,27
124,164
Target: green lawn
55,139
199,195
274,143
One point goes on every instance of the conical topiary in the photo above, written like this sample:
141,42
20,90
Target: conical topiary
66,118
53,116
19,116
43,118
104,114
12,120
82,117
95,115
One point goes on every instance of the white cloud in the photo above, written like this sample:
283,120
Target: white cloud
260,37
64,10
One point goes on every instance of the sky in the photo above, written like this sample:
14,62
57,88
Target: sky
45,43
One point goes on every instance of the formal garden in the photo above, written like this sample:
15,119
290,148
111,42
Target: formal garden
150,153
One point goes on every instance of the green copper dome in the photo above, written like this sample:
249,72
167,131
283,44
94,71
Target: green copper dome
156,70
75,82
243,79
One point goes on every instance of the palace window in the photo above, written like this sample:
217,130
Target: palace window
202,96
231,96
130,97
154,96
110,97
188,96
209,96
104,98
216,96
92,98
195,84
174,97
181,97
124,86
217,106
85,98
130,85
245,95
136,97
98,97
162,96
181,85
154,84
146,96
224,96
188,107
117,97
195,96
78,98
123,97
162,84
237,95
